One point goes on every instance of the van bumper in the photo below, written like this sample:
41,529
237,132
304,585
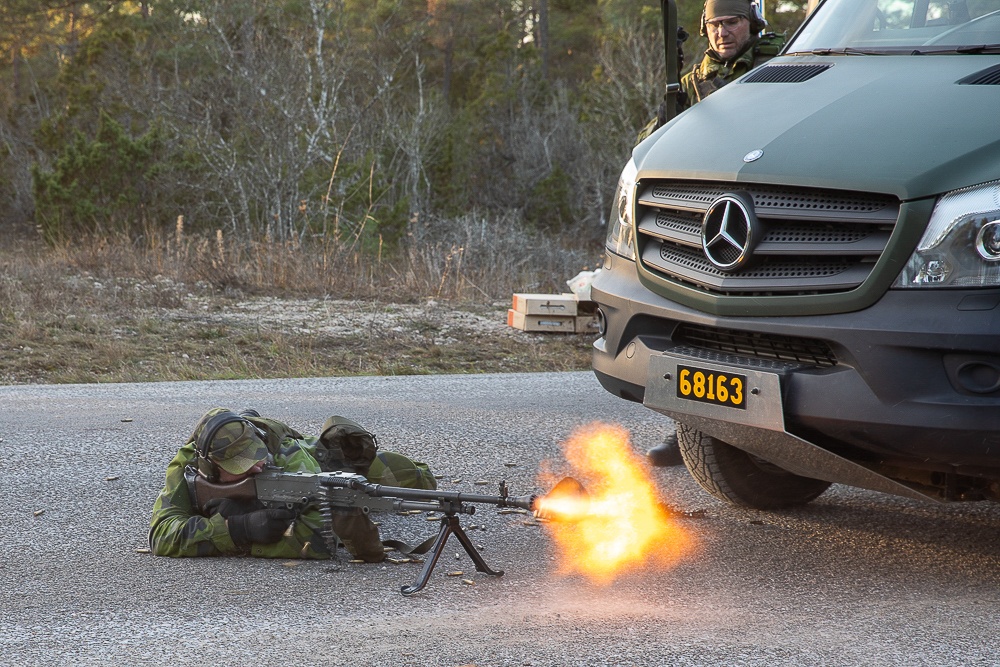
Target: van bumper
915,381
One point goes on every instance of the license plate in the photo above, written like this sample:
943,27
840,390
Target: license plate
679,385
709,386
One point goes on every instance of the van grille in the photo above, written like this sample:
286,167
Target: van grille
811,241
756,345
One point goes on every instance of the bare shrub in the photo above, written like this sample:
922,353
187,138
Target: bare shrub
471,258
492,257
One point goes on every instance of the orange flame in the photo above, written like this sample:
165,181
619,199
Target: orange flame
618,524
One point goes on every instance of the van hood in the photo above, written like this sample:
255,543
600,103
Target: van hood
900,125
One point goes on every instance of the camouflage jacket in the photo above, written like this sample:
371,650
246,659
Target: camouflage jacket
177,529
712,73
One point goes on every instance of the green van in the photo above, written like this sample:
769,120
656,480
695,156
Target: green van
803,270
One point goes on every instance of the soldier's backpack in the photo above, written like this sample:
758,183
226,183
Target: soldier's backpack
346,445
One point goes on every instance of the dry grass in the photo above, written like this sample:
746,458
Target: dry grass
159,309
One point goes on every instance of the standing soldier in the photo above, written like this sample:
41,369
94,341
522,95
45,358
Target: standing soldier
736,46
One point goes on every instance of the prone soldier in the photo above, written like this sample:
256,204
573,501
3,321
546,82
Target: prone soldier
227,448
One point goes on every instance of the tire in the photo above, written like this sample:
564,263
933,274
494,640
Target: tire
739,478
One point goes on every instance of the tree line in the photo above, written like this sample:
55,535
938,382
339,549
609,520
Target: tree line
346,120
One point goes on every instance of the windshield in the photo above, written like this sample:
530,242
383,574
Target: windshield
901,26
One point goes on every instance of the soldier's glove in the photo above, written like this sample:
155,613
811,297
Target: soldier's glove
228,507
259,527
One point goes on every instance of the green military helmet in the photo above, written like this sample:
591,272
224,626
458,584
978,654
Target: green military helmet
391,469
229,441
748,9
716,8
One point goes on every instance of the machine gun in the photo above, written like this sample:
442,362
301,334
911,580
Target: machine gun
332,492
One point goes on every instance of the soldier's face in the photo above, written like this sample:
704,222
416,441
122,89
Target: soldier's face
727,35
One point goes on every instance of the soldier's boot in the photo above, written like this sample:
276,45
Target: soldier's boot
666,454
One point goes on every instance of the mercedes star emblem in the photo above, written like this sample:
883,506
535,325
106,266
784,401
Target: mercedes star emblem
729,232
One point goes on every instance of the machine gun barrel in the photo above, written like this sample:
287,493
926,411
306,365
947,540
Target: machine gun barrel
356,483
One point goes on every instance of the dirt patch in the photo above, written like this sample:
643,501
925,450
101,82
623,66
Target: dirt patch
427,321
140,331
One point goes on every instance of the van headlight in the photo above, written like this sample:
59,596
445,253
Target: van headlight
621,233
961,247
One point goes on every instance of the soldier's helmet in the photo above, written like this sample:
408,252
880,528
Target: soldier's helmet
749,9
229,441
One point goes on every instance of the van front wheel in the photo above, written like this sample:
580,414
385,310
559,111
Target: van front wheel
732,475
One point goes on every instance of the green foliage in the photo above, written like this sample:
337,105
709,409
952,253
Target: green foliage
549,204
97,185
785,17
572,37
366,217
289,118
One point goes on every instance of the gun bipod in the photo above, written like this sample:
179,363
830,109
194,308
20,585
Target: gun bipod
449,526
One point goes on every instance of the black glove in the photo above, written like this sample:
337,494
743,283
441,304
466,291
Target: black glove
228,507
259,527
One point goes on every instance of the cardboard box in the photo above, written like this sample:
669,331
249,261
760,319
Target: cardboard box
526,322
564,305
587,324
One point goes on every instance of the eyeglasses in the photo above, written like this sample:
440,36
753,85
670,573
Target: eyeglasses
730,24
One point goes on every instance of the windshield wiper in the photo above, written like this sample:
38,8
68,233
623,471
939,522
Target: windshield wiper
969,48
899,51
839,52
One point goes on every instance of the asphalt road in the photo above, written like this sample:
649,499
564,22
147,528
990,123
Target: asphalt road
856,578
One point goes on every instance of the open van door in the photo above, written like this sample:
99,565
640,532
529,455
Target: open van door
672,54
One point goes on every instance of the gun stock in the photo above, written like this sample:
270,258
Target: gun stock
206,491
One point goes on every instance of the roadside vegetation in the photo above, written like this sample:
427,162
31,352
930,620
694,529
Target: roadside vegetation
192,308
156,153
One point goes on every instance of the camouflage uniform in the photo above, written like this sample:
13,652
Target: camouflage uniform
391,469
711,73
178,529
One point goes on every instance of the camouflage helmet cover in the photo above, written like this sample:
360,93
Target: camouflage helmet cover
236,445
